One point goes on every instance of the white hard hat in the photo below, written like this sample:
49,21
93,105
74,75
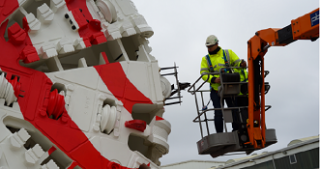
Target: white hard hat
211,40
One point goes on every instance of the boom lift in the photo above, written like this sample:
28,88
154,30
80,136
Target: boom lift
304,27
253,135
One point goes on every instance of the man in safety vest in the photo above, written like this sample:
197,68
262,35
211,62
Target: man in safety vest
215,60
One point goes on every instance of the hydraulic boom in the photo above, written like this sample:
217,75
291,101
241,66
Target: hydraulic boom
304,27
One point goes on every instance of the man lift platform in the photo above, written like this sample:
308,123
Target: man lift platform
253,134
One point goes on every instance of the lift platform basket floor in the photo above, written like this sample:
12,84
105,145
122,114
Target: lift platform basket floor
221,143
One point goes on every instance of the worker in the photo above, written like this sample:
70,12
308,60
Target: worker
214,61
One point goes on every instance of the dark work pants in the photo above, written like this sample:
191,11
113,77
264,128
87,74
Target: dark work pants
243,101
218,117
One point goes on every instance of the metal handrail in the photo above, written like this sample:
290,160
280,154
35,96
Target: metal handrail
193,85
210,73
197,106
193,90
229,108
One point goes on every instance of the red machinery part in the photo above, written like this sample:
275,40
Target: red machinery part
139,125
79,17
159,118
56,104
86,31
16,34
96,24
128,97
29,54
16,85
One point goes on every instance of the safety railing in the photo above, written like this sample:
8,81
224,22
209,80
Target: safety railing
194,90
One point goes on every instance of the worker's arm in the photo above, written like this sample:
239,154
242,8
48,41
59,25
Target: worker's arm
205,71
235,61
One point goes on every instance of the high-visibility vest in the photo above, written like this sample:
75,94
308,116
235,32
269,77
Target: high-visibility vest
243,75
218,61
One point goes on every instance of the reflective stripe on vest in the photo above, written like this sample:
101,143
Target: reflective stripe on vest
226,58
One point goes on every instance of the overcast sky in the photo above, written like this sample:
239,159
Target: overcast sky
180,30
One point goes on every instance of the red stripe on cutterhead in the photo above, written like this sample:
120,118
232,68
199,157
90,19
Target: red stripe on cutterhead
120,86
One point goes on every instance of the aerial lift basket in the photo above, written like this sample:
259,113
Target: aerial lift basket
217,144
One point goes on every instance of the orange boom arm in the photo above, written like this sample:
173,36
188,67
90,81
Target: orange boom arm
304,27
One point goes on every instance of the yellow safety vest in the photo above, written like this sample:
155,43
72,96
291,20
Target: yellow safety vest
218,62
243,75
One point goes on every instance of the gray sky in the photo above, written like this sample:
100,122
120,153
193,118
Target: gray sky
180,30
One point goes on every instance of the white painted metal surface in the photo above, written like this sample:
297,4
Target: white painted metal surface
106,81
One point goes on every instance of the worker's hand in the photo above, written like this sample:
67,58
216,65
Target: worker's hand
217,80
243,64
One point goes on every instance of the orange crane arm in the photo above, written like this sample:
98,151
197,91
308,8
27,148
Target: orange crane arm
304,27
